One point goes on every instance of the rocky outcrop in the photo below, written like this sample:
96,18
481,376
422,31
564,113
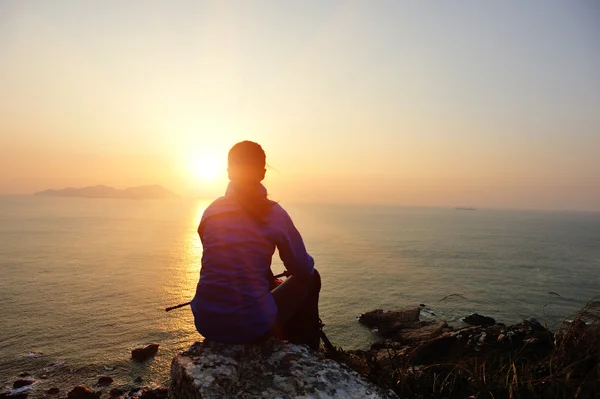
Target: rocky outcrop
22,383
476,319
104,380
82,392
410,341
403,325
144,353
270,369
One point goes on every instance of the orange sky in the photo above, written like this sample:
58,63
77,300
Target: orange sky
483,105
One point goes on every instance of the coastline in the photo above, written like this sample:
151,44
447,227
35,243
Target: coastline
412,342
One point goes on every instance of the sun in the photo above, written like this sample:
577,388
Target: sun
206,167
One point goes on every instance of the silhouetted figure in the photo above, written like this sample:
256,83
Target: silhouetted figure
236,299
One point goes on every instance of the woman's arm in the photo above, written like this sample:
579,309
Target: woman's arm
292,250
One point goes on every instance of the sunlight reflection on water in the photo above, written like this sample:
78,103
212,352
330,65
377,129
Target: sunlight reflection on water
85,281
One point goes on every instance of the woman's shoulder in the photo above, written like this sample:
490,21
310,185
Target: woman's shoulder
221,204
279,214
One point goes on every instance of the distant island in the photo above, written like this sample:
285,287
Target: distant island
139,192
465,208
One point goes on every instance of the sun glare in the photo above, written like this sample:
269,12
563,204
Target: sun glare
207,168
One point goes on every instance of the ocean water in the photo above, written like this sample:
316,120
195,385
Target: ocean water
83,281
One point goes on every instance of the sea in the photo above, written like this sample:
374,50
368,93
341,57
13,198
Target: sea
84,281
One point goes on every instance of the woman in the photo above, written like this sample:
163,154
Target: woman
239,233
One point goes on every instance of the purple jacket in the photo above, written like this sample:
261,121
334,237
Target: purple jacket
233,302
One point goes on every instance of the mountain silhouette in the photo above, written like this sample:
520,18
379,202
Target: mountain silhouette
140,192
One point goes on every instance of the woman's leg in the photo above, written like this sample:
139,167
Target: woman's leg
298,310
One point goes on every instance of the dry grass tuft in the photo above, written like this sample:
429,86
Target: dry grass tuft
568,368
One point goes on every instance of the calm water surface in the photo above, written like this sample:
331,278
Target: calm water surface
83,280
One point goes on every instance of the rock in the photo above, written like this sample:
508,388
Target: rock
25,374
81,392
403,325
144,353
479,320
425,331
389,322
533,323
53,391
116,392
21,383
435,350
269,369
387,358
156,393
104,380
10,395
138,380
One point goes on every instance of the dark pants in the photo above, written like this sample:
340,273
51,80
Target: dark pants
298,310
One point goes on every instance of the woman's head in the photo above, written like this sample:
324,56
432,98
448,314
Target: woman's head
246,167
246,163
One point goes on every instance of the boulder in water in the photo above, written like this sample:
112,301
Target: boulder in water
479,320
53,391
156,393
10,395
145,352
388,323
403,325
269,369
23,382
104,380
81,392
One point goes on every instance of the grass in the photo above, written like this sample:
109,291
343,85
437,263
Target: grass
568,366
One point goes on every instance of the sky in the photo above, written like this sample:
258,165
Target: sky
462,103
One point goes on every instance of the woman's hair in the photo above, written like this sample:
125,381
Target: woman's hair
246,163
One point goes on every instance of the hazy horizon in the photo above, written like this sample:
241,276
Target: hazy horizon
490,105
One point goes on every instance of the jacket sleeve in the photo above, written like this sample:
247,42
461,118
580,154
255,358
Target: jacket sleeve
292,250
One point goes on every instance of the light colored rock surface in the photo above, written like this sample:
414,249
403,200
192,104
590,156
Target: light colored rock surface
271,369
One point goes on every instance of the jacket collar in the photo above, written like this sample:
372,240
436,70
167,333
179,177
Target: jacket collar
230,192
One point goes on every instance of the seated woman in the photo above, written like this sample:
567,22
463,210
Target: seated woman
239,233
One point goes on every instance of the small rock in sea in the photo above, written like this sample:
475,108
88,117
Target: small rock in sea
138,380
104,380
144,353
531,322
479,320
116,392
10,395
25,374
21,383
53,391
156,393
81,392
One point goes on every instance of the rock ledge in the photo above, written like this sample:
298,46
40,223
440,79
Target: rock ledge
271,369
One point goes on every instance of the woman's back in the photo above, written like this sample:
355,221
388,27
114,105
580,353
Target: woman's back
239,233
